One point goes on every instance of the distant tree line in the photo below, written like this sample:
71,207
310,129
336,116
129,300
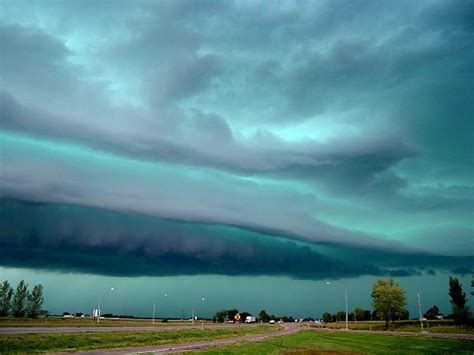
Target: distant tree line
229,315
389,302
21,302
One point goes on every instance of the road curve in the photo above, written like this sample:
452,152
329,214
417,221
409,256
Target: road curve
288,328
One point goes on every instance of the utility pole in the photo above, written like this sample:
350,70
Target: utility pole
347,310
419,310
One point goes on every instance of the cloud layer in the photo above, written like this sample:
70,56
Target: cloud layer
347,124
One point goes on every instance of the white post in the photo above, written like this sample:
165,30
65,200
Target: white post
98,304
347,310
202,319
153,313
419,310
98,309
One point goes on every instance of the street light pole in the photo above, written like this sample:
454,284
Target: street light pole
202,318
347,309
419,310
98,304
154,307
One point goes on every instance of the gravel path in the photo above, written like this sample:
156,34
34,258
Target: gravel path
288,328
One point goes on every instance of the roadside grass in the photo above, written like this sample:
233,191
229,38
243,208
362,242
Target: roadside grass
405,326
312,342
85,322
456,329
55,342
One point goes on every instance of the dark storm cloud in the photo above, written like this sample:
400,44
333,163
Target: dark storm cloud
322,121
462,271
72,238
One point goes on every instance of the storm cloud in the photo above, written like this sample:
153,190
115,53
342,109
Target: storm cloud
170,134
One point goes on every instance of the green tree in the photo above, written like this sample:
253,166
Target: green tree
388,299
327,317
263,316
458,300
219,317
230,313
472,285
367,315
243,316
35,301
340,316
6,293
432,312
20,299
359,314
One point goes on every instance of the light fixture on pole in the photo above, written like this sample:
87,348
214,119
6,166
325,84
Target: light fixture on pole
347,309
202,318
419,310
154,307
98,304
346,303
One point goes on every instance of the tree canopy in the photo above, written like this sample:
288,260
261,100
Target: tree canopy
35,300
20,299
6,293
388,299
458,300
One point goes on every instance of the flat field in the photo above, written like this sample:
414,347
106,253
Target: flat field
86,322
54,342
313,341
445,326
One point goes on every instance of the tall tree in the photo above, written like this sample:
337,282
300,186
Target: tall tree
458,300
340,316
19,299
35,301
432,312
472,285
6,293
327,317
358,314
264,316
230,313
388,300
219,317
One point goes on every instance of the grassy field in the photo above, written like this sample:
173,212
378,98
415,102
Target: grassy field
54,342
312,342
409,326
84,322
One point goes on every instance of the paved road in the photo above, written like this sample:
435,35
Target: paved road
24,330
288,328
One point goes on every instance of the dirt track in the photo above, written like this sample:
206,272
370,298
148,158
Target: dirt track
288,328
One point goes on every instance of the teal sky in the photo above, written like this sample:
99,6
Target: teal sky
277,295
275,143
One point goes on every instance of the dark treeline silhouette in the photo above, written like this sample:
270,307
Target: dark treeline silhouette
21,302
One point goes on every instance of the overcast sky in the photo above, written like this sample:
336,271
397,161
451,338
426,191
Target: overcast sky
303,139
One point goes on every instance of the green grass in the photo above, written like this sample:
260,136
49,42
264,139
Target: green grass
83,322
55,342
312,342
445,326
